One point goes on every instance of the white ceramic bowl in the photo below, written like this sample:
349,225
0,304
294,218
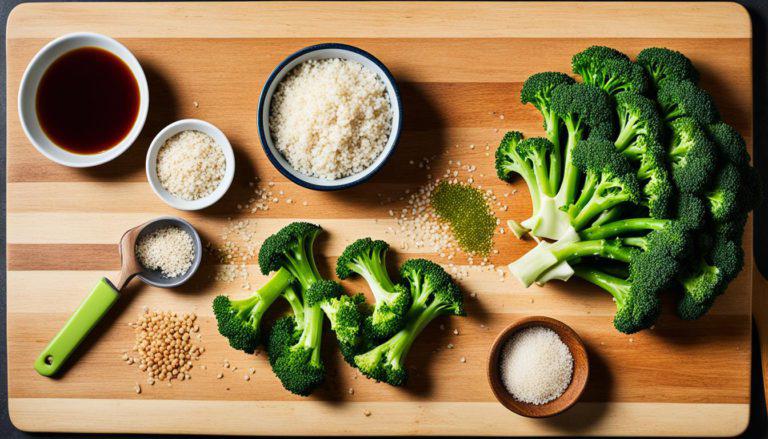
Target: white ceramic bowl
326,51
170,131
28,91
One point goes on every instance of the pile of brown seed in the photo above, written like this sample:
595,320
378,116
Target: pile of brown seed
165,345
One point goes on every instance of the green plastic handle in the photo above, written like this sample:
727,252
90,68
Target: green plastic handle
87,315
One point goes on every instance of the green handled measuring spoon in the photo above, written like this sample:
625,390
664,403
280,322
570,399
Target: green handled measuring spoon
105,294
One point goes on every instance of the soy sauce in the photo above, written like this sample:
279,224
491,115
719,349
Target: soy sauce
87,101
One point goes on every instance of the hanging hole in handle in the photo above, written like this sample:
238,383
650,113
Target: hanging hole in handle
49,360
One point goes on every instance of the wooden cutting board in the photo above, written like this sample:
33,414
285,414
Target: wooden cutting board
460,67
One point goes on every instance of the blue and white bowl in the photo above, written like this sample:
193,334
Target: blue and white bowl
326,51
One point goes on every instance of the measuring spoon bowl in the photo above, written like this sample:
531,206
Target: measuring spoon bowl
155,277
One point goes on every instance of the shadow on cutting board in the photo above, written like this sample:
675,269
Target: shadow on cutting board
584,415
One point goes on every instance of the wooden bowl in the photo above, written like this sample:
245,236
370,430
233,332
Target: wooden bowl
578,380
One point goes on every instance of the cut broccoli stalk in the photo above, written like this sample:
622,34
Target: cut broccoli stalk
548,221
529,268
517,229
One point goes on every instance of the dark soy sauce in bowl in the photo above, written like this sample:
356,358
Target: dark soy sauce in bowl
87,101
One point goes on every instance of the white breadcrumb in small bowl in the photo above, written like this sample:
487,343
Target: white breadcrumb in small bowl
329,116
190,164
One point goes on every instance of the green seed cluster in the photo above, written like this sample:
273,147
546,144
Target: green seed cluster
467,212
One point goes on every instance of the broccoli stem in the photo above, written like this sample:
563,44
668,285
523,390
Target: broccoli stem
298,308
567,193
596,205
374,271
588,190
313,331
607,216
258,304
302,265
399,345
619,288
597,247
627,133
541,258
618,228
553,134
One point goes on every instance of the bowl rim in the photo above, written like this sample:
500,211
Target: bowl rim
197,242
83,160
262,124
151,164
580,359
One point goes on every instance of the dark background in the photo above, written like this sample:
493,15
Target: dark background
758,427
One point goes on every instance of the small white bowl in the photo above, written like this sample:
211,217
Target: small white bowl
28,92
326,51
170,131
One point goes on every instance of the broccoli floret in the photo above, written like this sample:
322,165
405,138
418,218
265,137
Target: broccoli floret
610,70
708,276
292,248
341,310
637,307
662,63
723,196
295,342
367,258
689,309
537,90
653,175
548,220
730,145
586,111
732,229
240,320
638,118
692,156
434,293
609,181
295,353
683,99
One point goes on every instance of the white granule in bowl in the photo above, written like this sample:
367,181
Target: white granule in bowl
330,118
169,250
536,366
190,165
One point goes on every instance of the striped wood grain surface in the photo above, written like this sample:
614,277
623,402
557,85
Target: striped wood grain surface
455,63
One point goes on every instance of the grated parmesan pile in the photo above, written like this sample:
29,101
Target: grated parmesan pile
169,250
190,165
330,118
536,366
